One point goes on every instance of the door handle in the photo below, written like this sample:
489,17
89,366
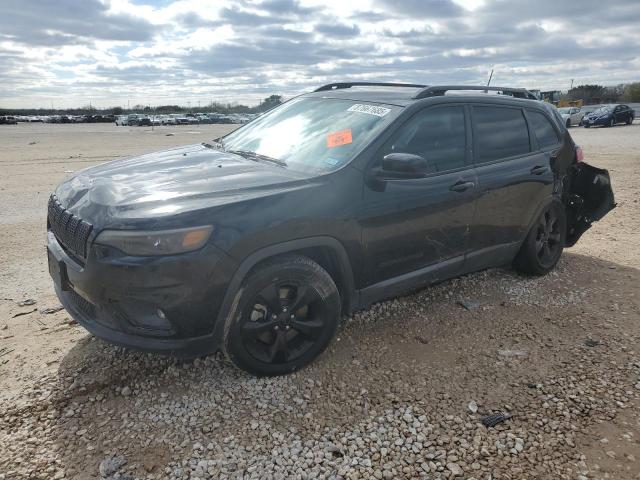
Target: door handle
539,170
461,186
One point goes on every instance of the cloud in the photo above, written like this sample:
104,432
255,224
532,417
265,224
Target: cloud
337,30
423,8
176,51
63,22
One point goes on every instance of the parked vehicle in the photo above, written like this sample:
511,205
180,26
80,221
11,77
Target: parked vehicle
8,120
609,116
258,242
571,116
168,120
143,121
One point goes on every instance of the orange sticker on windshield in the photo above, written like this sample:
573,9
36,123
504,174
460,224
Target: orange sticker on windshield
343,137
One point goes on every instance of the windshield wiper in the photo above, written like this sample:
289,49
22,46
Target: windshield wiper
258,156
215,144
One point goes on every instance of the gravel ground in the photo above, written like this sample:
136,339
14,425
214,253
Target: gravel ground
400,394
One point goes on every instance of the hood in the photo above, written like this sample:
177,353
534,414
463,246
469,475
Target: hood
598,113
171,182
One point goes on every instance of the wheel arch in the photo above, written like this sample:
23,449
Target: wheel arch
326,251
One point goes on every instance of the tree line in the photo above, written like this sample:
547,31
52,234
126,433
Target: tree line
595,94
225,108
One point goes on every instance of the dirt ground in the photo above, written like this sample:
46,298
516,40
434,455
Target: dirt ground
389,399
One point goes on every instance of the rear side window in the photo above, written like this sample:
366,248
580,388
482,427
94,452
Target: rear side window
544,131
501,132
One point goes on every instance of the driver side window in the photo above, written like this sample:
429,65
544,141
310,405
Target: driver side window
438,134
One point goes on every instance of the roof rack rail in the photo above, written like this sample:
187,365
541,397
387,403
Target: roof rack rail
438,90
341,85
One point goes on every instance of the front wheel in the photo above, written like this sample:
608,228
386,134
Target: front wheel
612,123
544,243
284,315
629,120
568,124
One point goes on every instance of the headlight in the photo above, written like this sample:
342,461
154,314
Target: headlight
160,242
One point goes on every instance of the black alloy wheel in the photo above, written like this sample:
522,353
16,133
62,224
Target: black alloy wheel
285,321
544,243
286,314
548,237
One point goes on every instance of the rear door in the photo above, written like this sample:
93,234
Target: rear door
514,178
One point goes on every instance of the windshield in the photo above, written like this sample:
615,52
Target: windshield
564,110
312,134
602,110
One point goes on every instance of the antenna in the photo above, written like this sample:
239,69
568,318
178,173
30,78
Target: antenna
490,77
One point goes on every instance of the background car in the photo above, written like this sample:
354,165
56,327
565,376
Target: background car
571,115
8,120
608,116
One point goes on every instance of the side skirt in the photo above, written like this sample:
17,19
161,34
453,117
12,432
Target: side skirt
494,256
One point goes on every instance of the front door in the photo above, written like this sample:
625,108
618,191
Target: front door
410,225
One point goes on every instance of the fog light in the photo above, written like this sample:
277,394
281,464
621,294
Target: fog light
161,314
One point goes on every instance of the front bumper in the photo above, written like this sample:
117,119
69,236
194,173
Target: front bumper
594,122
164,304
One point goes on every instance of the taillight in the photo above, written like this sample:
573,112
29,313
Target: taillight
579,154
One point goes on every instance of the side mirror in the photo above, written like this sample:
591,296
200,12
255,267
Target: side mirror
403,165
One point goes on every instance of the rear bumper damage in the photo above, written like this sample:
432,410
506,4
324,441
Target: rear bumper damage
589,197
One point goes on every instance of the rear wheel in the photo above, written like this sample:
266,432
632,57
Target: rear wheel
285,315
629,120
543,246
612,122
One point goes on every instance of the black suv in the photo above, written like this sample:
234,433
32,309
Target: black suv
257,242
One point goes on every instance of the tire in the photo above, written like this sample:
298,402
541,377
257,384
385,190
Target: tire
283,316
612,123
544,243
568,124
587,126
629,120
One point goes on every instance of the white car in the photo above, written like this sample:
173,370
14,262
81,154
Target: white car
571,115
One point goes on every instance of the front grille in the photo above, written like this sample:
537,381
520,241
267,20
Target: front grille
87,308
72,232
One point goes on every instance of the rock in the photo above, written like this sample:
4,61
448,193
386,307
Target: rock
473,406
469,304
455,469
111,465
126,391
512,353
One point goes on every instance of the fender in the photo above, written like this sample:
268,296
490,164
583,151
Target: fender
256,257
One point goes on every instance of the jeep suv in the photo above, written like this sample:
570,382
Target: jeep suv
258,242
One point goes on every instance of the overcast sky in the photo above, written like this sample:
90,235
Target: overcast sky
72,52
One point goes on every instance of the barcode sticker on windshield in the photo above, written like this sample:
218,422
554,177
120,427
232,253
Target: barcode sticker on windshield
370,109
